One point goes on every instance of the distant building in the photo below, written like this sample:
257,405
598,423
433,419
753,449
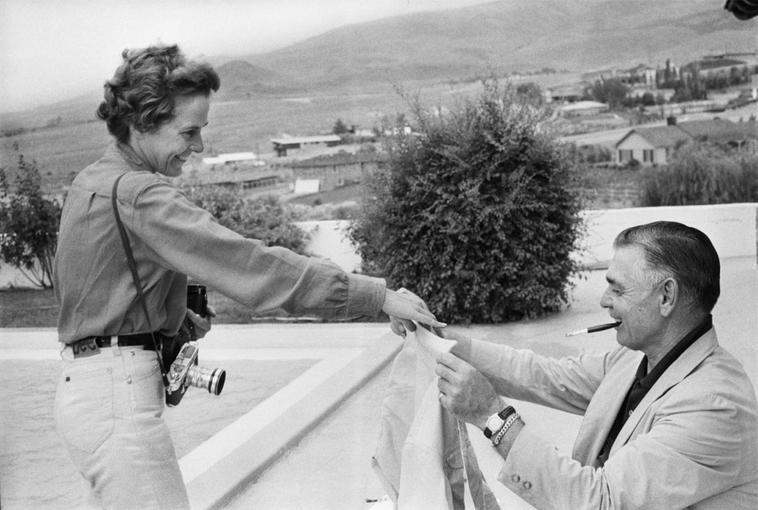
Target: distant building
713,67
306,186
567,93
652,146
582,108
336,170
233,158
290,143
640,75
252,178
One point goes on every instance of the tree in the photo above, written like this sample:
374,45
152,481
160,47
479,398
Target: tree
648,99
261,218
692,87
702,173
530,92
611,91
340,128
473,211
28,224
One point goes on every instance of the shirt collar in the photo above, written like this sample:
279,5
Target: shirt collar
130,156
646,379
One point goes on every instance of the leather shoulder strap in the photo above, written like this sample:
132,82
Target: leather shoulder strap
133,269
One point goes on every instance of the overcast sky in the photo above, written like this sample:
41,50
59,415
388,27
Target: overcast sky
57,49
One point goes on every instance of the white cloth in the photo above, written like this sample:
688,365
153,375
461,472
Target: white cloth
423,455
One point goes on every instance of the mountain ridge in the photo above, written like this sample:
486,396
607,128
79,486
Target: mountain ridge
504,36
496,38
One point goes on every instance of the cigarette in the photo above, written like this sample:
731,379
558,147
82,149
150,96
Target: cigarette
595,329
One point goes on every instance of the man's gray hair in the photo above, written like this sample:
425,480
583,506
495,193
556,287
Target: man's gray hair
683,252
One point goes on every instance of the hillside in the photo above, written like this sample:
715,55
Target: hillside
508,36
348,73
243,79
500,37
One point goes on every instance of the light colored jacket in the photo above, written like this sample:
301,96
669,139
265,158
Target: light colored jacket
692,442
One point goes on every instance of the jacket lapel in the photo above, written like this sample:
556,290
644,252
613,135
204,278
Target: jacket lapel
679,369
603,408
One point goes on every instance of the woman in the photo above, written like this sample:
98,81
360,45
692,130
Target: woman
109,402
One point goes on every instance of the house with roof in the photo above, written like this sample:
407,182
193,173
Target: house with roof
652,146
234,158
726,68
336,170
582,109
253,179
290,143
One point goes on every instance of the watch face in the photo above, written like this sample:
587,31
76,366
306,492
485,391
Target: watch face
495,423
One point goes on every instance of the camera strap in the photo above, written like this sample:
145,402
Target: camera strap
135,276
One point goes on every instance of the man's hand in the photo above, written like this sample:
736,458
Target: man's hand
462,348
200,325
465,392
404,307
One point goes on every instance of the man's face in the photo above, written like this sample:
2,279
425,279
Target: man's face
633,297
167,149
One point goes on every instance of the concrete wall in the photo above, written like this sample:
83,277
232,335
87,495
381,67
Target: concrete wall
329,239
731,228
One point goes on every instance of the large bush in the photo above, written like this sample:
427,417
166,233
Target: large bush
28,224
473,211
702,173
261,218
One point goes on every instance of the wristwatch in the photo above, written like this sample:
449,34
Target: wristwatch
496,421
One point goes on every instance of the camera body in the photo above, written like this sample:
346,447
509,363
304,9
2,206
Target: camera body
180,353
184,373
197,299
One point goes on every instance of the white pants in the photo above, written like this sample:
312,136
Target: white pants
108,411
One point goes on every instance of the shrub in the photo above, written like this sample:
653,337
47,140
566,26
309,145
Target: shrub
702,173
473,211
261,218
28,224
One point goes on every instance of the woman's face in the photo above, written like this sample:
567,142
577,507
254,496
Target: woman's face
167,149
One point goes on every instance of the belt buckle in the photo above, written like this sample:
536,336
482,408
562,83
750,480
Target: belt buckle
85,347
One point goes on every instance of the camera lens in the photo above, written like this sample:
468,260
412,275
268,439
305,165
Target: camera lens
212,379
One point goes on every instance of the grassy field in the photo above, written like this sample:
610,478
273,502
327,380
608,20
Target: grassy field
240,125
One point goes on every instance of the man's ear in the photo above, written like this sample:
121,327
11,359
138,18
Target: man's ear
669,296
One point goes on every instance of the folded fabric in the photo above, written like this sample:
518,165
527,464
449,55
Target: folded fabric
423,455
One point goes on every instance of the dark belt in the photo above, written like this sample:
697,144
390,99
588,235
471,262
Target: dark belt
92,344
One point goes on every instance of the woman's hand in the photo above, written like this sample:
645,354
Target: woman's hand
200,325
464,391
404,307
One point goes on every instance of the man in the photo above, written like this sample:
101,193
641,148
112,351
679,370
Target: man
670,418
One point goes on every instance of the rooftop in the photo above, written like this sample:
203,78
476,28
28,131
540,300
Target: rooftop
306,139
339,158
713,129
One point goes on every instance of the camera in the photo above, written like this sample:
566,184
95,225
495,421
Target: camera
180,353
197,299
184,373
